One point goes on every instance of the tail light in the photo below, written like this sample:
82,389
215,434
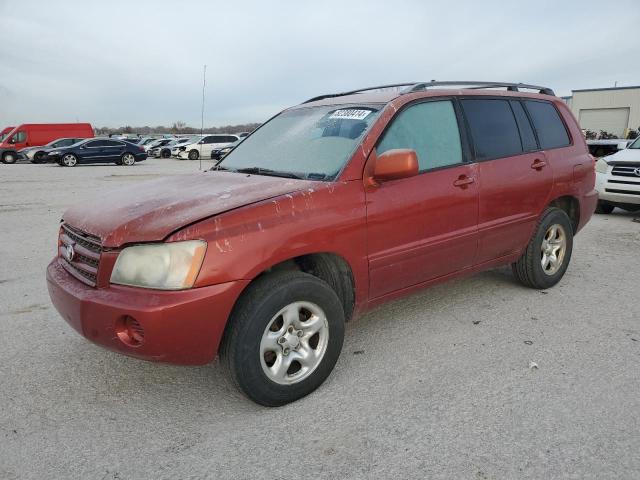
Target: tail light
141,149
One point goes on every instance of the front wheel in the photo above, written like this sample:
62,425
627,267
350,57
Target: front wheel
604,208
194,154
69,160
9,157
547,256
283,338
127,159
165,154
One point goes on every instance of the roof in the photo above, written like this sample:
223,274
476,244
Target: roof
386,93
605,89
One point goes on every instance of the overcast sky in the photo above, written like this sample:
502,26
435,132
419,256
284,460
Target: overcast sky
140,63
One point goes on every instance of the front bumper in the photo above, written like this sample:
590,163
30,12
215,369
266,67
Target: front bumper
180,327
610,190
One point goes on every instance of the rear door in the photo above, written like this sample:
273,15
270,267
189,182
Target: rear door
514,174
423,227
91,151
111,150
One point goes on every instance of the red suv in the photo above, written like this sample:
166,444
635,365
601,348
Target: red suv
330,208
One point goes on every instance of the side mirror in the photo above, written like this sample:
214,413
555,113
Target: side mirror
200,142
622,145
396,164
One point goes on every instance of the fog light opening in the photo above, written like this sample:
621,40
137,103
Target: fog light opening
129,331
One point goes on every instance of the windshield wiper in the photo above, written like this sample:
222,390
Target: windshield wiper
268,172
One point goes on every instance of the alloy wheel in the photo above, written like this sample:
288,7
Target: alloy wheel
294,343
552,249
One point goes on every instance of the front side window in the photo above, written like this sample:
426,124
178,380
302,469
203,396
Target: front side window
19,137
429,128
311,142
493,128
549,127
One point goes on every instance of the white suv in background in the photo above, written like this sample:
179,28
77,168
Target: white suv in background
618,179
203,146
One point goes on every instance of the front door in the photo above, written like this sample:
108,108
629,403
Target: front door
423,227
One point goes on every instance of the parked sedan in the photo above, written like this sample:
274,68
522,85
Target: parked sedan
220,152
98,150
165,150
37,154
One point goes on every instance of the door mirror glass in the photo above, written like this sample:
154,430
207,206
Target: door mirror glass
395,164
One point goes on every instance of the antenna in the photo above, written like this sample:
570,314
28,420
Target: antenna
204,82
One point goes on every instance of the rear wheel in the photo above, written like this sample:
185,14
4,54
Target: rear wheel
69,160
9,157
127,159
546,258
604,208
283,338
194,154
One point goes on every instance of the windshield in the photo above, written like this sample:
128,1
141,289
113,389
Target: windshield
635,144
312,142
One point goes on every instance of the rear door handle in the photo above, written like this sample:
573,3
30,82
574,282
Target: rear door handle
538,164
463,181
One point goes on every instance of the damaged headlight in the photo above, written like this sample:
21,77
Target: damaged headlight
164,266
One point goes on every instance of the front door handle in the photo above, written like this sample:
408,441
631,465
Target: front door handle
463,181
538,164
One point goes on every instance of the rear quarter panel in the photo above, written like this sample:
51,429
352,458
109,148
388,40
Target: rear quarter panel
573,167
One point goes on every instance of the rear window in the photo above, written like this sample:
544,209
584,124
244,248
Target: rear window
529,142
549,127
493,128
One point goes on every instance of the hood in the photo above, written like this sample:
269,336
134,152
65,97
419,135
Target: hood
152,210
628,155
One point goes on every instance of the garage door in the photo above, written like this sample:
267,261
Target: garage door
612,120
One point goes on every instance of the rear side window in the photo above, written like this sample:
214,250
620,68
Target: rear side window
549,127
431,129
493,128
529,142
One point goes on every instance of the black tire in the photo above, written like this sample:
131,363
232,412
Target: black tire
69,160
9,157
630,207
254,312
528,270
127,159
37,157
165,153
604,208
194,154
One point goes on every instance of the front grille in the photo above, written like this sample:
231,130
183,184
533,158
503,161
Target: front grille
624,192
85,258
627,170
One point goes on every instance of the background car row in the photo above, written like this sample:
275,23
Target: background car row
36,142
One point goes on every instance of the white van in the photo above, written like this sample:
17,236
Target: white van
203,147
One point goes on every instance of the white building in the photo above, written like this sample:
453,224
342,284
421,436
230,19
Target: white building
614,110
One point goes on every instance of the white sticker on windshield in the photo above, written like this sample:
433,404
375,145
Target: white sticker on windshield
350,114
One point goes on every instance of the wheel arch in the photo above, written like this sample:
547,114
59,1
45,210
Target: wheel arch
571,206
330,267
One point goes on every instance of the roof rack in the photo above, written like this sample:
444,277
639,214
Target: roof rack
342,94
417,86
512,87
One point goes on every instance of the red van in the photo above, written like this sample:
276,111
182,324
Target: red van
4,132
37,134
328,209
